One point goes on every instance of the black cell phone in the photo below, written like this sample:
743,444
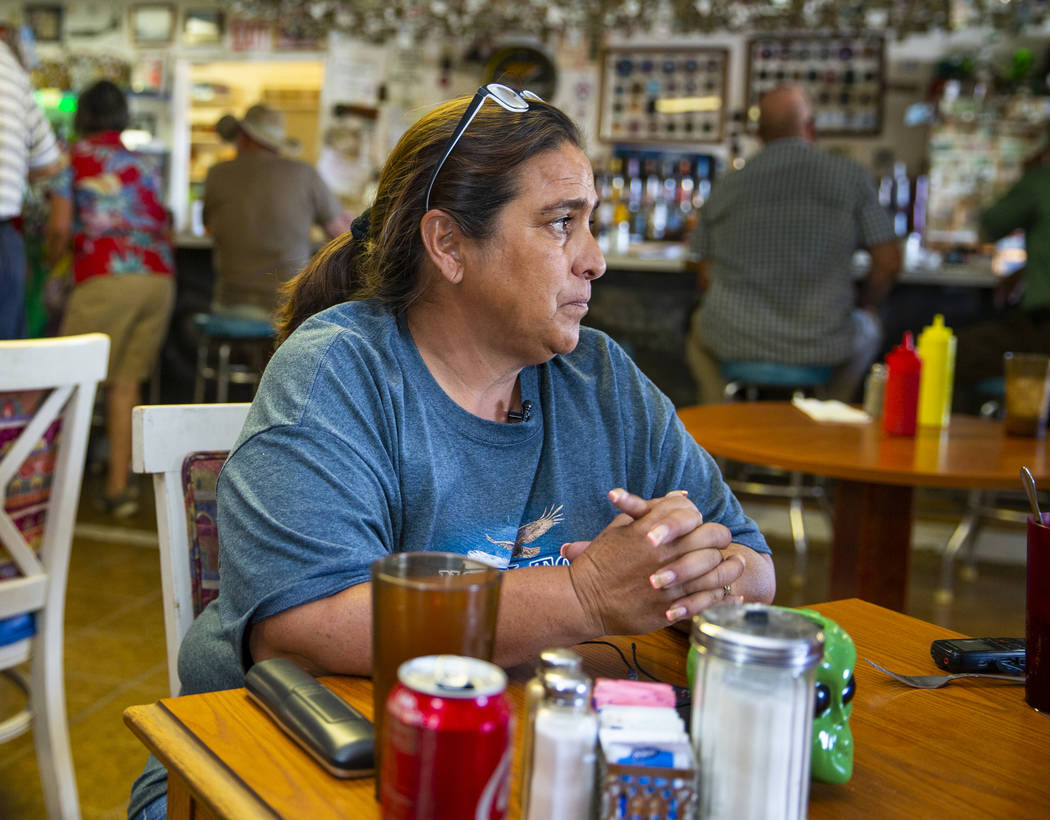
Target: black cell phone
979,654
338,736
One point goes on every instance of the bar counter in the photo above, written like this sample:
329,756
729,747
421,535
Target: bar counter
644,301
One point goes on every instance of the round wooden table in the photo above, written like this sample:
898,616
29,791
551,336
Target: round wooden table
876,473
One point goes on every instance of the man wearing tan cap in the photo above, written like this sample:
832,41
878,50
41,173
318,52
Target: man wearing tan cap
259,208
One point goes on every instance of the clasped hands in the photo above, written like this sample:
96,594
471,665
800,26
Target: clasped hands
656,563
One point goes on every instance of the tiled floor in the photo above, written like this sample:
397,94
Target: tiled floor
115,649
114,658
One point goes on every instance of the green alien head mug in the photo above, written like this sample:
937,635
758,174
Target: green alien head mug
832,756
832,753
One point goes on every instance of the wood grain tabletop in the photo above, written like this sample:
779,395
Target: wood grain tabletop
971,749
970,452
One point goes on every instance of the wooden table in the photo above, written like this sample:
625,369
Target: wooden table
971,749
876,473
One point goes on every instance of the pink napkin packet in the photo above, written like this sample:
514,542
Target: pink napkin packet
613,692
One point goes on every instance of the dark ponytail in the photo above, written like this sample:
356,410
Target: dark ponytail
330,278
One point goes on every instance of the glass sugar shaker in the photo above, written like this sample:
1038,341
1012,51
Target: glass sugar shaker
753,700
561,659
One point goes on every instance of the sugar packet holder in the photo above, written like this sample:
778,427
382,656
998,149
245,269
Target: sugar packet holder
645,791
628,709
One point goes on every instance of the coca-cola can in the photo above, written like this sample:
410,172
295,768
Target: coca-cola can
448,741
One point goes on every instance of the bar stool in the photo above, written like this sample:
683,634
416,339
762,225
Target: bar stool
750,381
991,393
218,336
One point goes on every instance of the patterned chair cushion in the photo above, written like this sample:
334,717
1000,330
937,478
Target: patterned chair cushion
200,471
26,496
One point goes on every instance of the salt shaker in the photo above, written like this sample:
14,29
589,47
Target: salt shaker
753,710
564,732
874,390
563,659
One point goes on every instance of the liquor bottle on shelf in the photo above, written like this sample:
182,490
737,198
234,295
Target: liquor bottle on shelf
919,203
901,199
886,192
685,186
616,179
635,193
671,182
656,203
603,216
620,235
703,191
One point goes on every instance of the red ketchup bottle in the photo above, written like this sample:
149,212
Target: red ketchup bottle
901,405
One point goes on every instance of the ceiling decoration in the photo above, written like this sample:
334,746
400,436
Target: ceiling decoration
380,19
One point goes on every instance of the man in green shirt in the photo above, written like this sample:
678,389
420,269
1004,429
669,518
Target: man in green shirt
1024,327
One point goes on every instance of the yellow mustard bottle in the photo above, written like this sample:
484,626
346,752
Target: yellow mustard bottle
937,351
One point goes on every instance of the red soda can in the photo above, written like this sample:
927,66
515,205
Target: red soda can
448,744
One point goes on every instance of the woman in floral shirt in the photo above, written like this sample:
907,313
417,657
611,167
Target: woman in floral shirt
122,267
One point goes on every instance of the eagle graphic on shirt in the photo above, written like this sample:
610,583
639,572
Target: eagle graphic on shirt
527,533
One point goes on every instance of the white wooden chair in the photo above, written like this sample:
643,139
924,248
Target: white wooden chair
163,435
47,392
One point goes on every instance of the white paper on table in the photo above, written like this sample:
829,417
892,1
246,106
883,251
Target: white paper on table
831,410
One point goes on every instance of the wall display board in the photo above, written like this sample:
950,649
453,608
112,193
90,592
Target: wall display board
843,75
663,95
971,166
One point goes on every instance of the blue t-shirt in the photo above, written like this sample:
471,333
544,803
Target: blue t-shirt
351,450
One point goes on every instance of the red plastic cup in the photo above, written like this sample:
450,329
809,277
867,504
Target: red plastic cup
1037,615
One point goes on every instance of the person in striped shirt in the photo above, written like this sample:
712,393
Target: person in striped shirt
28,152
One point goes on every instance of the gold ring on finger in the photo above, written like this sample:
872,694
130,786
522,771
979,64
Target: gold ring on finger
727,590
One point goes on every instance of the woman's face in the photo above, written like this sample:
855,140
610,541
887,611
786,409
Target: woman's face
528,285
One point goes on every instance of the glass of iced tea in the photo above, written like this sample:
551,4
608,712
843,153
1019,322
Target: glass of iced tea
427,603
1027,393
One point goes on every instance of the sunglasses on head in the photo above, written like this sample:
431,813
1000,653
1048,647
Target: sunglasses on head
506,96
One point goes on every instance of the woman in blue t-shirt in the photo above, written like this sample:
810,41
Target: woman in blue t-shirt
434,390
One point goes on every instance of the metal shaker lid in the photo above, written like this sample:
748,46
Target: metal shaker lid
759,634
567,687
558,659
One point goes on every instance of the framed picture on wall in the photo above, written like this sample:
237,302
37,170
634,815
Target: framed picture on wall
45,22
842,74
201,27
663,95
152,24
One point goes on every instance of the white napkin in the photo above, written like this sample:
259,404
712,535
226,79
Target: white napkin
831,410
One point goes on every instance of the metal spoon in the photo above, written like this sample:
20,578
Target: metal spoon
1029,487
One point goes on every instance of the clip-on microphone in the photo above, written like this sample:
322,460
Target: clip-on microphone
521,415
